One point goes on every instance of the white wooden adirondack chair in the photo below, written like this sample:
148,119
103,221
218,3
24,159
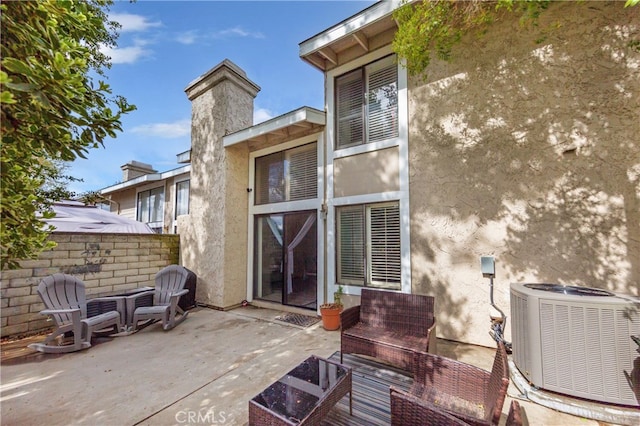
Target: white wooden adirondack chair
170,283
65,301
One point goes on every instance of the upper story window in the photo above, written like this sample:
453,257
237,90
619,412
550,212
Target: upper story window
367,104
288,175
182,198
151,208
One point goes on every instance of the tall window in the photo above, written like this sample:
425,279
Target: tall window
182,198
151,208
288,175
367,104
369,245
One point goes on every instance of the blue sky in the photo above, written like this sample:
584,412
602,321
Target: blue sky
164,45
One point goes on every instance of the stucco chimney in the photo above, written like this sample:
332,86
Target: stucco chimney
213,236
133,169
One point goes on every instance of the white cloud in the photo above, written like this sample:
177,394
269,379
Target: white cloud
173,130
188,37
236,32
126,55
133,23
193,36
261,115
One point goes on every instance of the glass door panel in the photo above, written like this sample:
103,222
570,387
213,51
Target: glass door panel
285,265
300,242
268,258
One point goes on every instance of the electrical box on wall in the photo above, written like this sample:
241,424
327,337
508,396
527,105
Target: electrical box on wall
488,266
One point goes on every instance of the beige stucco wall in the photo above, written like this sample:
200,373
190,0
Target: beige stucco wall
126,201
529,152
214,234
368,173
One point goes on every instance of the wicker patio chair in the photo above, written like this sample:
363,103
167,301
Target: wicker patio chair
464,391
65,300
389,326
170,282
515,414
406,409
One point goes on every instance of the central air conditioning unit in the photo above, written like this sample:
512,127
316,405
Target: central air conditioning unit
577,341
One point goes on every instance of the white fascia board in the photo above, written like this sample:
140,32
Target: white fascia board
349,26
184,157
304,114
151,177
175,172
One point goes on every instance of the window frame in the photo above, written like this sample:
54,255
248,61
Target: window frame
175,204
285,159
156,225
175,209
365,71
332,154
366,234
289,206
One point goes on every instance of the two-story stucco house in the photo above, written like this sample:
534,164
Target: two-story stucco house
145,195
528,152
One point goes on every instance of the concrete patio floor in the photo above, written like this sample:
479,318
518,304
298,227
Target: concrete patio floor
214,362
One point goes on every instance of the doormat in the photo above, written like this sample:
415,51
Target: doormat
298,319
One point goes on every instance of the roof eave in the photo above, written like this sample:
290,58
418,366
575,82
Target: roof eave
144,179
351,27
275,125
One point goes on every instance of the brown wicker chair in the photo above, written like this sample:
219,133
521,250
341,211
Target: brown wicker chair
515,414
409,410
464,391
389,326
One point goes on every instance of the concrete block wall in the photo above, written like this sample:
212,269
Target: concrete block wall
106,263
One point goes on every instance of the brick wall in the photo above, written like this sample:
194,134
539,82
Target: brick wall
107,263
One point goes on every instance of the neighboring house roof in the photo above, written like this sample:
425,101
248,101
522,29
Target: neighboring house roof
144,179
300,122
73,216
358,35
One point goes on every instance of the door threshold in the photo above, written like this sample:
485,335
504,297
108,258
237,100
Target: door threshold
285,308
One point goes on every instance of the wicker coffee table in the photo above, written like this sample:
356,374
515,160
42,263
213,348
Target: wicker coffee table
304,395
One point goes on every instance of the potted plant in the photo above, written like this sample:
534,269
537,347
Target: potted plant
330,312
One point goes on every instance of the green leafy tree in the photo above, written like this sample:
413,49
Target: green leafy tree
55,107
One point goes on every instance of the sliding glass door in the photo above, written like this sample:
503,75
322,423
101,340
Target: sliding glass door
285,258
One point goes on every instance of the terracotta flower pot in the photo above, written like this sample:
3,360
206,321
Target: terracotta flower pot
330,316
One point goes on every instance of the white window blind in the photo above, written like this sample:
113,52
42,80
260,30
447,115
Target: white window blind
351,245
350,109
287,175
384,245
367,104
303,173
368,251
382,104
